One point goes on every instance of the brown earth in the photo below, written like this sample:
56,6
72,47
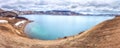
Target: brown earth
104,35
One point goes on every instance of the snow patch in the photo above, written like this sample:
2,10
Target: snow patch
20,22
3,21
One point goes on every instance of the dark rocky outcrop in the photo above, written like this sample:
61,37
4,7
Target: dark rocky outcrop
22,18
8,13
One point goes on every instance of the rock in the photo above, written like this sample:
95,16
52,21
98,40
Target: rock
8,13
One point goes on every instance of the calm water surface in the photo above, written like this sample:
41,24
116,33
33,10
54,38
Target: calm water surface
50,27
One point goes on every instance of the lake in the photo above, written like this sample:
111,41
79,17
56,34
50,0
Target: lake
51,27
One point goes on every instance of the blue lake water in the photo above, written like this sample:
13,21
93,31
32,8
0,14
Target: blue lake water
51,27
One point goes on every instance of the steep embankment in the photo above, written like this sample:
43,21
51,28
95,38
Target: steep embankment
104,35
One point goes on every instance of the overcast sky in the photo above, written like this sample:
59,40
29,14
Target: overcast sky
59,1
74,5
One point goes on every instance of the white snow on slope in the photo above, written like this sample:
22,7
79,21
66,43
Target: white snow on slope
3,21
20,23
81,6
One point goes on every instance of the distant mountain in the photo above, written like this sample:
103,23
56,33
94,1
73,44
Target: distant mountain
51,12
60,12
1,10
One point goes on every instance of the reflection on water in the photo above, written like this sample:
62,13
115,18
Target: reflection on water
50,27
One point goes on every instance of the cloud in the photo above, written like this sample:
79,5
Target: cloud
73,5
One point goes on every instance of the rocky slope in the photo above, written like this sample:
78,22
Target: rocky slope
104,35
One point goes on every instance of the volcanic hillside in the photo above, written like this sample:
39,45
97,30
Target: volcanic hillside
103,35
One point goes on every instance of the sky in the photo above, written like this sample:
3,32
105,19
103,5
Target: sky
73,5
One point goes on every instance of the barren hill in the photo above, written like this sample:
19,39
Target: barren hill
103,35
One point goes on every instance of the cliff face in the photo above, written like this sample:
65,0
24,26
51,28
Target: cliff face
104,35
